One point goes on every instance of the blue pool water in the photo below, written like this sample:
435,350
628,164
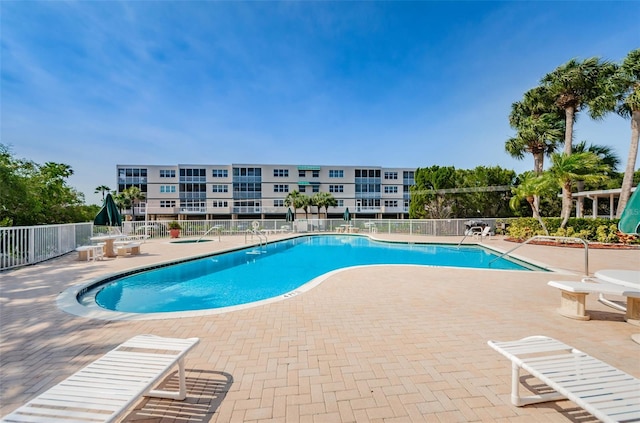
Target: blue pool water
254,274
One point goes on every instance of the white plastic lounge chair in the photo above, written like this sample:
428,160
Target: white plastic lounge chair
609,394
106,388
621,283
486,232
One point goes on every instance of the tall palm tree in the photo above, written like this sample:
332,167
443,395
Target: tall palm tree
540,125
566,169
574,86
103,189
626,83
531,186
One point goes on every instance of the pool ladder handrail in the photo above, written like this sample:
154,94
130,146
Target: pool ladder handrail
469,233
209,230
555,238
259,234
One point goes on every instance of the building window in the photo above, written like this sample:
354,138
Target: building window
167,188
280,173
219,173
219,188
391,175
391,190
391,203
302,173
278,203
336,173
302,188
281,188
167,173
315,173
315,188
367,173
340,203
336,188
167,203
219,204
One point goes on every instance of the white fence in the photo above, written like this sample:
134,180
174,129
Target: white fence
20,246
23,245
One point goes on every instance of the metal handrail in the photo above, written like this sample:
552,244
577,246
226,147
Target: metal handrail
209,230
564,238
259,234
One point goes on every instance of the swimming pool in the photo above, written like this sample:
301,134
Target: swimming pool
277,269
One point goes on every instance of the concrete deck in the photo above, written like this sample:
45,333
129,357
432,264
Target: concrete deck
379,344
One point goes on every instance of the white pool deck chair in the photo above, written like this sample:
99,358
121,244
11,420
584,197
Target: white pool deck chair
486,232
609,394
106,388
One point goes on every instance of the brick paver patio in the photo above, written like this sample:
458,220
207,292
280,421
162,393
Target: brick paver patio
375,344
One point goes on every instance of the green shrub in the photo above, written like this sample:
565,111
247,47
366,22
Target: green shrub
596,230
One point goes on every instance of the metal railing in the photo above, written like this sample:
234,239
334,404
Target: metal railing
553,238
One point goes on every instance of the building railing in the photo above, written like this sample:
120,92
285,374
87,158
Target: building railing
21,246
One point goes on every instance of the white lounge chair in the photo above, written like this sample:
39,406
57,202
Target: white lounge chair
486,232
621,283
609,394
106,388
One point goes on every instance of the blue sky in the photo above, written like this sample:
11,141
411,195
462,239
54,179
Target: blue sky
93,84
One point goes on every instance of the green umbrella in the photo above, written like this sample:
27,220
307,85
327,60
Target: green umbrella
630,218
346,216
290,217
109,215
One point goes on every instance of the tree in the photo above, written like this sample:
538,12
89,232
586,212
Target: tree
605,153
324,200
102,189
566,169
33,194
626,86
574,86
425,203
539,125
133,196
531,186
295,199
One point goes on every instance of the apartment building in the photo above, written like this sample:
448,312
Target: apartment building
245,191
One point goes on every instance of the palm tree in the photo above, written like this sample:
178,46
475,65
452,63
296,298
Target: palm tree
539,125
326,200
103,189
626,83
568,168
532,186
574,86
134,196
294,199
607,156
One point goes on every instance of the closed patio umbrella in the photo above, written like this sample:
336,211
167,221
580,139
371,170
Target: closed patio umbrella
630,218
290,217
346,216
109,215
